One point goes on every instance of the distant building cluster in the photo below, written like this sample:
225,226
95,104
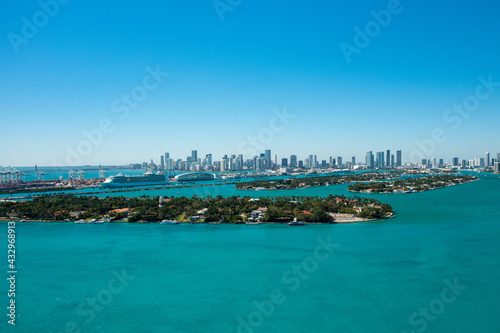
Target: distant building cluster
265,162
486,163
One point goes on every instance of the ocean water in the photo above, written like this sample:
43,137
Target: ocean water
390,276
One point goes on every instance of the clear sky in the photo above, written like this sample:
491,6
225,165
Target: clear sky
232,67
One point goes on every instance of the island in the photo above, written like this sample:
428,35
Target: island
304,182
234,209
411,185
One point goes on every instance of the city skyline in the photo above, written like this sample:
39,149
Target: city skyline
266,161
398,158
76,78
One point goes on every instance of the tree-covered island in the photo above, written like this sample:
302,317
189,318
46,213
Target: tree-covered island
303,182
235,209
410,185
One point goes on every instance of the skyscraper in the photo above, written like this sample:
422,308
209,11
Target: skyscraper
162,162
353,160
240,159
194,155
267,159
454,161
388,158
487,161
339,161
369,160
293,161
398,158
379,163
284,162
169,164
209,159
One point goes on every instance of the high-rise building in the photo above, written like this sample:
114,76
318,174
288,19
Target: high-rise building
441,163
301,164
224,163
353,161
392,161
481,162
162,162
284,162
209,159
498,157
496,167
369,160
293,161
454,161
487,159
240,159
311,162
398,158
339,161
388,157
169,164
194,155
267,159
379,163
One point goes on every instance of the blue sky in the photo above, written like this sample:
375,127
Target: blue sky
225,78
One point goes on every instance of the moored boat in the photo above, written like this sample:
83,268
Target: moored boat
169,222
296,223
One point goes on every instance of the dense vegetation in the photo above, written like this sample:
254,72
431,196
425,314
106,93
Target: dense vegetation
214,209
408,185
294,183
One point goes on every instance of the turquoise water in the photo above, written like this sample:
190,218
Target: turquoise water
207,278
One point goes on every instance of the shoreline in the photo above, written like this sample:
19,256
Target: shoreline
344,219
369,191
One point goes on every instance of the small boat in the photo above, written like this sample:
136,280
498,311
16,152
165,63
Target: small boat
296,223
169,222
94,221
80,222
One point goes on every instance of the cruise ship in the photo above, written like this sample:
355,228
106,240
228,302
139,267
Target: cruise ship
147,179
